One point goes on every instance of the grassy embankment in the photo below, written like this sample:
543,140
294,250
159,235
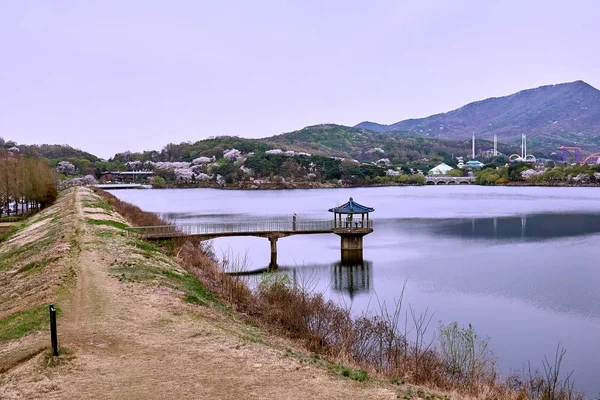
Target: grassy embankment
34,271
36,267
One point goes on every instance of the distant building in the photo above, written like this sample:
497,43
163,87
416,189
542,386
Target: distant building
440,169
121,176
474,164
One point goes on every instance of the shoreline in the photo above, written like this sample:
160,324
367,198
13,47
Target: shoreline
332,186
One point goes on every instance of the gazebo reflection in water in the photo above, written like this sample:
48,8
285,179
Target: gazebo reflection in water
352,278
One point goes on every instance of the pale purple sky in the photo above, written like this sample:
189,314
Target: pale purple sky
108,76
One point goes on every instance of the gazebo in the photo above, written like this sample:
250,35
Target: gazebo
349,209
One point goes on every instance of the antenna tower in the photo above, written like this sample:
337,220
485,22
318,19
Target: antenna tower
495,145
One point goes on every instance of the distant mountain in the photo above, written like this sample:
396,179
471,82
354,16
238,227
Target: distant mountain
564,114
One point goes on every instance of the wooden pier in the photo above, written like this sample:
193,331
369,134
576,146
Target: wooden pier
272,230
350,230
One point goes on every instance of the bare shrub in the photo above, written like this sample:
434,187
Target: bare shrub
466,357
302,315
198,258
377,340
549,385
422,347
235,286
132,213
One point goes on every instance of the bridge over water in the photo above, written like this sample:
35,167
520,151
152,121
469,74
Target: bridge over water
348,230
449,180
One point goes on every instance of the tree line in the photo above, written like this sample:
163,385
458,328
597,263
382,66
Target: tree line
549,174
26,183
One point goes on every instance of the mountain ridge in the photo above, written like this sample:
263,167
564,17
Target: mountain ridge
551,115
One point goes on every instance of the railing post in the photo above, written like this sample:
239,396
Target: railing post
53,335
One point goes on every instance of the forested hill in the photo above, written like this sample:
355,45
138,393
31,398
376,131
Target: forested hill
364,145
554,115
325,140
55,152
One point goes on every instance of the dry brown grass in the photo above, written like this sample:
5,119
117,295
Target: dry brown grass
34,272
373,341
132,213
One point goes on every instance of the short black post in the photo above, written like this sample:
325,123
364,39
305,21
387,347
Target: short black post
53,337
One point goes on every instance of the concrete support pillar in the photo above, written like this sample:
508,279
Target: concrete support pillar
352,248
273,263
352,242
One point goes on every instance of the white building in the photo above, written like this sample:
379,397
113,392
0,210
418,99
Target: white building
440,169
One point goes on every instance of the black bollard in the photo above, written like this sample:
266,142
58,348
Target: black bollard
53,336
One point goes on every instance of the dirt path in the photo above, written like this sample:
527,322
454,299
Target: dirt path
134,341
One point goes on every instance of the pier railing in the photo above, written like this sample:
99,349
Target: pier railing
216,228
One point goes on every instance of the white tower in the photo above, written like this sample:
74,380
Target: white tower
495,145
473,146
523,146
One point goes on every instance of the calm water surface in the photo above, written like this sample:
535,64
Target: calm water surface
520,264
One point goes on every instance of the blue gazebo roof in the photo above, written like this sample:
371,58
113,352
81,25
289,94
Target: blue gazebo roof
352,207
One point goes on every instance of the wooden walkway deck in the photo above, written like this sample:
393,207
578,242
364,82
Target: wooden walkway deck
267,229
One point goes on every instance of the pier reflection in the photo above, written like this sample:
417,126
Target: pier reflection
352,279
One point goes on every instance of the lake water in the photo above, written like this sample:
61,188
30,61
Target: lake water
520,264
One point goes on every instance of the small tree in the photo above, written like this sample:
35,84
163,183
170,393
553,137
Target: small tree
65,168
455,173
465,355
158,182
50,196
552,175
487,177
